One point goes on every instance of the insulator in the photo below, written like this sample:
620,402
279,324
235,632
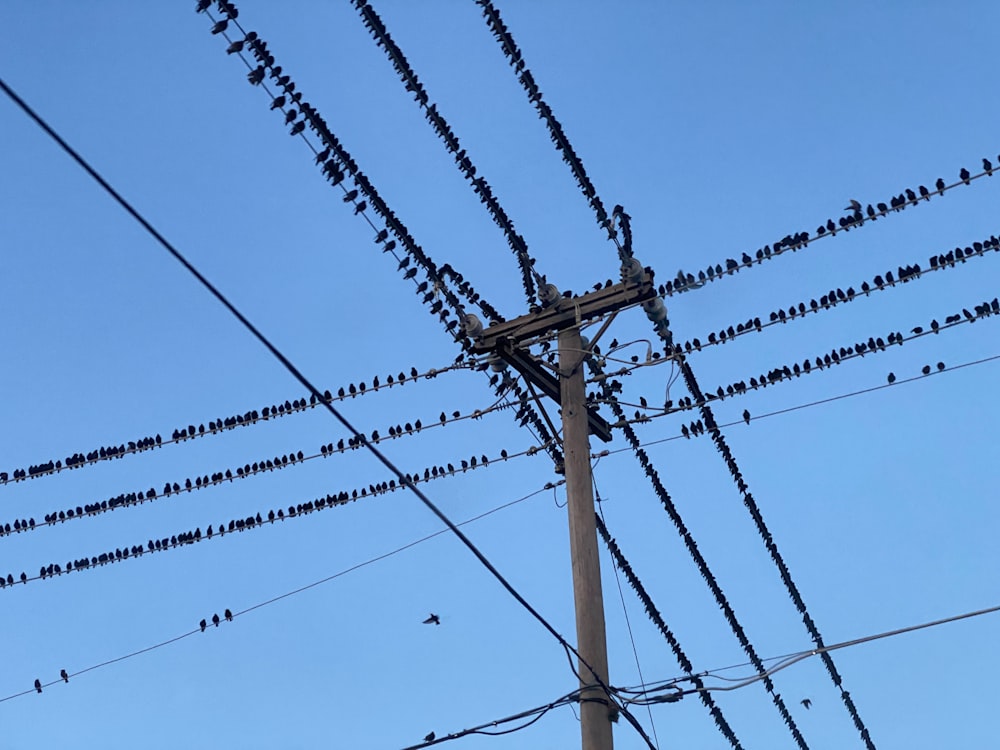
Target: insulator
656,311
473,326
549,294
632,271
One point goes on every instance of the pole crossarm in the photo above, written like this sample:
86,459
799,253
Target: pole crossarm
566,312
503,339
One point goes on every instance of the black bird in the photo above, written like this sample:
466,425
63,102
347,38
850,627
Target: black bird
220,26
746,416
939,185
432,620
203,625
924,192
430,737
229,615
806,702
926,370
215,620
892,378
38,685
940,366
64,675
964,175
988,167
853,206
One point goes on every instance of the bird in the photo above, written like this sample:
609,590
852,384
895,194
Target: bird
203,624
964,175
939,185
892,378
926,370
229,615
806,702
38,685
940,366
746,416
429,737
432,620
215,620
853,206
64,674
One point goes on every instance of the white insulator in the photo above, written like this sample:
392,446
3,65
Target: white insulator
549,294
473,326
656,311
497,363
632,271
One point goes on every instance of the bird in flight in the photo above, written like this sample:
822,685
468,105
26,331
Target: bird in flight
432,620
853,206
806,702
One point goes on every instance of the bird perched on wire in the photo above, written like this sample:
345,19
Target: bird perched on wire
64,674
892,378
38,685
430,737
228,615
746,416
203,624
432,620
215,620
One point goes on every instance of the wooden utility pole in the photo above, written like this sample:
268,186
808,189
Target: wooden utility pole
595,706
565,315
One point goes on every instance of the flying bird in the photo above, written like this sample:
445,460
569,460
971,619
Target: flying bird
806,702
432,620
853,206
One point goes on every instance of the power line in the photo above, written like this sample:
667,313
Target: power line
529,276
657,619
287,594
701,563
219,424
790,409
794,658
800,240
835,297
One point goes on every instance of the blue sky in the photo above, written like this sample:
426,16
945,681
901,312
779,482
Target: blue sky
719,128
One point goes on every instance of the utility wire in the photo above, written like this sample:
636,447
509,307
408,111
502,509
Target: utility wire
286,595
657,619
794,658
787,410
529,276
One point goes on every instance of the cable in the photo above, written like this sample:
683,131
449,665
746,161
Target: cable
700,562
529,276
789,409
790,659
657,619
556,133
287,594
838,296
800,240
219,425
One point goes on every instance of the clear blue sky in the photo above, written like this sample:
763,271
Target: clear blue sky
720,128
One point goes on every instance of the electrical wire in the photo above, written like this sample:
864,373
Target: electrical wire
794,658
287,594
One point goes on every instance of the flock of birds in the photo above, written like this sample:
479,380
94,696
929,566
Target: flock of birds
129,499
216,620
791,242
221,424
837,296
234,525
